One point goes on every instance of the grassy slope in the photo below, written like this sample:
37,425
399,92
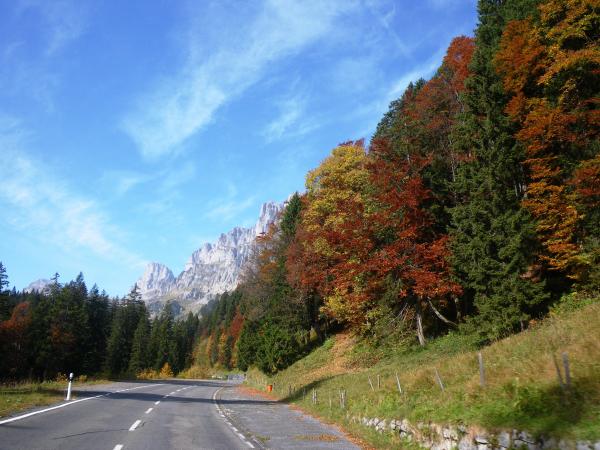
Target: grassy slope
522,389
21,396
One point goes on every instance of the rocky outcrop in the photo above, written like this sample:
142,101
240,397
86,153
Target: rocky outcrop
211,270
156,281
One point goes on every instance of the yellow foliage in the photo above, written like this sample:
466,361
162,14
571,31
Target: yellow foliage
166,371
340,178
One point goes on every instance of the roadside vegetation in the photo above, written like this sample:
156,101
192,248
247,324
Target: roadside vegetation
521,391
24,395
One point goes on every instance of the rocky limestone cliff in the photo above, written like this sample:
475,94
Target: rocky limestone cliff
211,270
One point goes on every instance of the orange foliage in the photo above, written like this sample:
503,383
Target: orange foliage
236,325
548,67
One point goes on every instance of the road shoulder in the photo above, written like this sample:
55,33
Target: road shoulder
268,423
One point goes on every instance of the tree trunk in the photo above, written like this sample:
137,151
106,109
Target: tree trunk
439,314
458,311
419,317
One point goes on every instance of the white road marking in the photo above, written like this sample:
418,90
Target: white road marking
13,419
72,402
226,419
157,402
135,425
118,447
149,410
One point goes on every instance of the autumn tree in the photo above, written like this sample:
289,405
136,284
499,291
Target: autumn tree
14,342
550,63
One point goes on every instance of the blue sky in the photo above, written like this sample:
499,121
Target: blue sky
135,131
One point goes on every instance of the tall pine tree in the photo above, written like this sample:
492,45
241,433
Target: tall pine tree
492,235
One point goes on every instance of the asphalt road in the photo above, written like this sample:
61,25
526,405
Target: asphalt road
176,414
166,415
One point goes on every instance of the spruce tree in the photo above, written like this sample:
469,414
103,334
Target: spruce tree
492,235
4,294
139,346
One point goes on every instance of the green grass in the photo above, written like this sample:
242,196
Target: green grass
522,390
16,397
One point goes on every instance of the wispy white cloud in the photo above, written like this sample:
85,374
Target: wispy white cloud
47,209
183,104
228,209
292,120
445,4
26,65
123,181
64,21
164,204
384,12
228,206
425,70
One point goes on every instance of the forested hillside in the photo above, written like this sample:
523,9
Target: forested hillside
474,208
68,328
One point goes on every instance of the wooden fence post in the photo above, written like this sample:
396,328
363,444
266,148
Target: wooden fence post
398,383
371,384
481,370
378,382
439,380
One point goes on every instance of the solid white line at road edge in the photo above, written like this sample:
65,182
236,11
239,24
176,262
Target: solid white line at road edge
234,429
24,416
135,425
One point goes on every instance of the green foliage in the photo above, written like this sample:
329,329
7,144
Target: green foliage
492,236
71,329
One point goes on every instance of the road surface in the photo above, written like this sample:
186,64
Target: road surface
178,414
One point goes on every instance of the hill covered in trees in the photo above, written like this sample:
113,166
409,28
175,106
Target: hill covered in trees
68,328
475,207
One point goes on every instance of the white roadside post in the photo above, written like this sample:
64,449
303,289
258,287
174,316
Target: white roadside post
69,388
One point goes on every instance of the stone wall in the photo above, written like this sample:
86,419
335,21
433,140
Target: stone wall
438,437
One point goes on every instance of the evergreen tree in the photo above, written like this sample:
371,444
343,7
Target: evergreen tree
162,339
99,323
214,347
4,294
492,235
139,346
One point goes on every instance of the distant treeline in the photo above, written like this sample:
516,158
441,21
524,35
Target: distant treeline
475,206
68,328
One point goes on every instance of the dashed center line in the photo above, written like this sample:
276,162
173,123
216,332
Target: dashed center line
118,447
135,425
157,402
149,410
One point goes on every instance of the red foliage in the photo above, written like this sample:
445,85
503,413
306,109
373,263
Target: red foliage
415,256
236,325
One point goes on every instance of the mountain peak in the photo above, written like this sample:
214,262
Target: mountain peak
211,269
